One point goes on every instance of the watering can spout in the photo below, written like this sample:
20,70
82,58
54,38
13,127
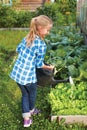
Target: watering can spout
71,80
55,82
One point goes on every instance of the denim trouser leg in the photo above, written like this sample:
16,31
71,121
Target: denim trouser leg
32,89
28,98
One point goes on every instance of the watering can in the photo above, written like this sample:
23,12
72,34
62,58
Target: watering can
45,77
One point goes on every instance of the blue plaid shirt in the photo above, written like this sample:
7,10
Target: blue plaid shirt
24,70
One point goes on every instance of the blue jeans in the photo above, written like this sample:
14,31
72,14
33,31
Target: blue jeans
28,98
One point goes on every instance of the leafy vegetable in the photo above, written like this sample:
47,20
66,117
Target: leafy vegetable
69,99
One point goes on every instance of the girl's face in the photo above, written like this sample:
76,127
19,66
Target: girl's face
43,31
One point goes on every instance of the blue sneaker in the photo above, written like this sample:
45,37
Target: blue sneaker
27,123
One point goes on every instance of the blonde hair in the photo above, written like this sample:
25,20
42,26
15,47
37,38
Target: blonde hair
42,21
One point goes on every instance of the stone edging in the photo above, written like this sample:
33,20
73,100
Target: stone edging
1,29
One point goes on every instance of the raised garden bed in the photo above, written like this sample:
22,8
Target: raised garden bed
69,102
67,52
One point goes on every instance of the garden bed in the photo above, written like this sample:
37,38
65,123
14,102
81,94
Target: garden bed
68,103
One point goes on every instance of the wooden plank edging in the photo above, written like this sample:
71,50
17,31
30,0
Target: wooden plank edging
70,119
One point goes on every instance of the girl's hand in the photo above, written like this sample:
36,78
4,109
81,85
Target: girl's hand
51,67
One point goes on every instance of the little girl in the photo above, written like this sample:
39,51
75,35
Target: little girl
31,53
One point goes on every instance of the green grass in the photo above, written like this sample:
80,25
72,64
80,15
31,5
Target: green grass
10,95
10,39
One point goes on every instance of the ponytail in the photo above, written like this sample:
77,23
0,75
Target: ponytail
30,37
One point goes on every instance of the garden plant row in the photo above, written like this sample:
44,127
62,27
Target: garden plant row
68,53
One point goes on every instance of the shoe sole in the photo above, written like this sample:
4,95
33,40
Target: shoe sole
28,125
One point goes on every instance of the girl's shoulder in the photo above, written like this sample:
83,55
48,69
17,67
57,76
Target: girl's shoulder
38,41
